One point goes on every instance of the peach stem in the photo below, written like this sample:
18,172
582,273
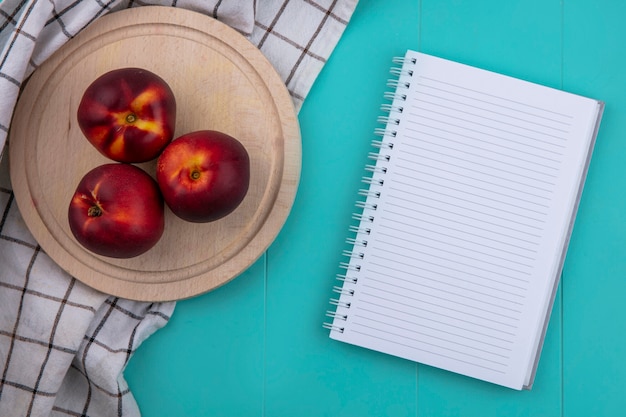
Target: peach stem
94,211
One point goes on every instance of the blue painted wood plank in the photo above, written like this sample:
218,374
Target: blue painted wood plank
208,361
594,321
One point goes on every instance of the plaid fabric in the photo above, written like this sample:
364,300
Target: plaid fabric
63,345
56,333
298,36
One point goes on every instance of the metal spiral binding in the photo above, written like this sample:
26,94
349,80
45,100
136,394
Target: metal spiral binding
374,168
332,327
339,303
342,290
349,267
397,84
395,95
346,278
401,60
356,242
398,72
335,315
388,120
366,205
382,145
390,108
381,156
377,156
372,181
352,254
369,193
381,131
362,218
362,230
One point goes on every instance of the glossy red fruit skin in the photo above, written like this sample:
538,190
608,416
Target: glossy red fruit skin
222,165
128,114
131,216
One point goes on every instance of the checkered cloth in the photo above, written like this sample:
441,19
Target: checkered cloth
63,345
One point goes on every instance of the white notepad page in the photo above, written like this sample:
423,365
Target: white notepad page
467,235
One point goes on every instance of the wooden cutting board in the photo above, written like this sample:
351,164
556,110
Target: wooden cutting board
221,82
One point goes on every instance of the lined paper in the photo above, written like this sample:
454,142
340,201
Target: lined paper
465,237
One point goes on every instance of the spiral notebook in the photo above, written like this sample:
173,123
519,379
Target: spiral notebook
463,224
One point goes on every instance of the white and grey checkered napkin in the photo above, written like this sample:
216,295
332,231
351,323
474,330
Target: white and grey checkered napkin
63,345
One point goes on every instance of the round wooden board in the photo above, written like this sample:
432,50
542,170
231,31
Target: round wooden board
221,82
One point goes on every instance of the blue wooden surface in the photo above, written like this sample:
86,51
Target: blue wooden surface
255,347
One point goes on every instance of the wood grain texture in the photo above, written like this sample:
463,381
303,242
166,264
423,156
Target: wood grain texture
222,82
